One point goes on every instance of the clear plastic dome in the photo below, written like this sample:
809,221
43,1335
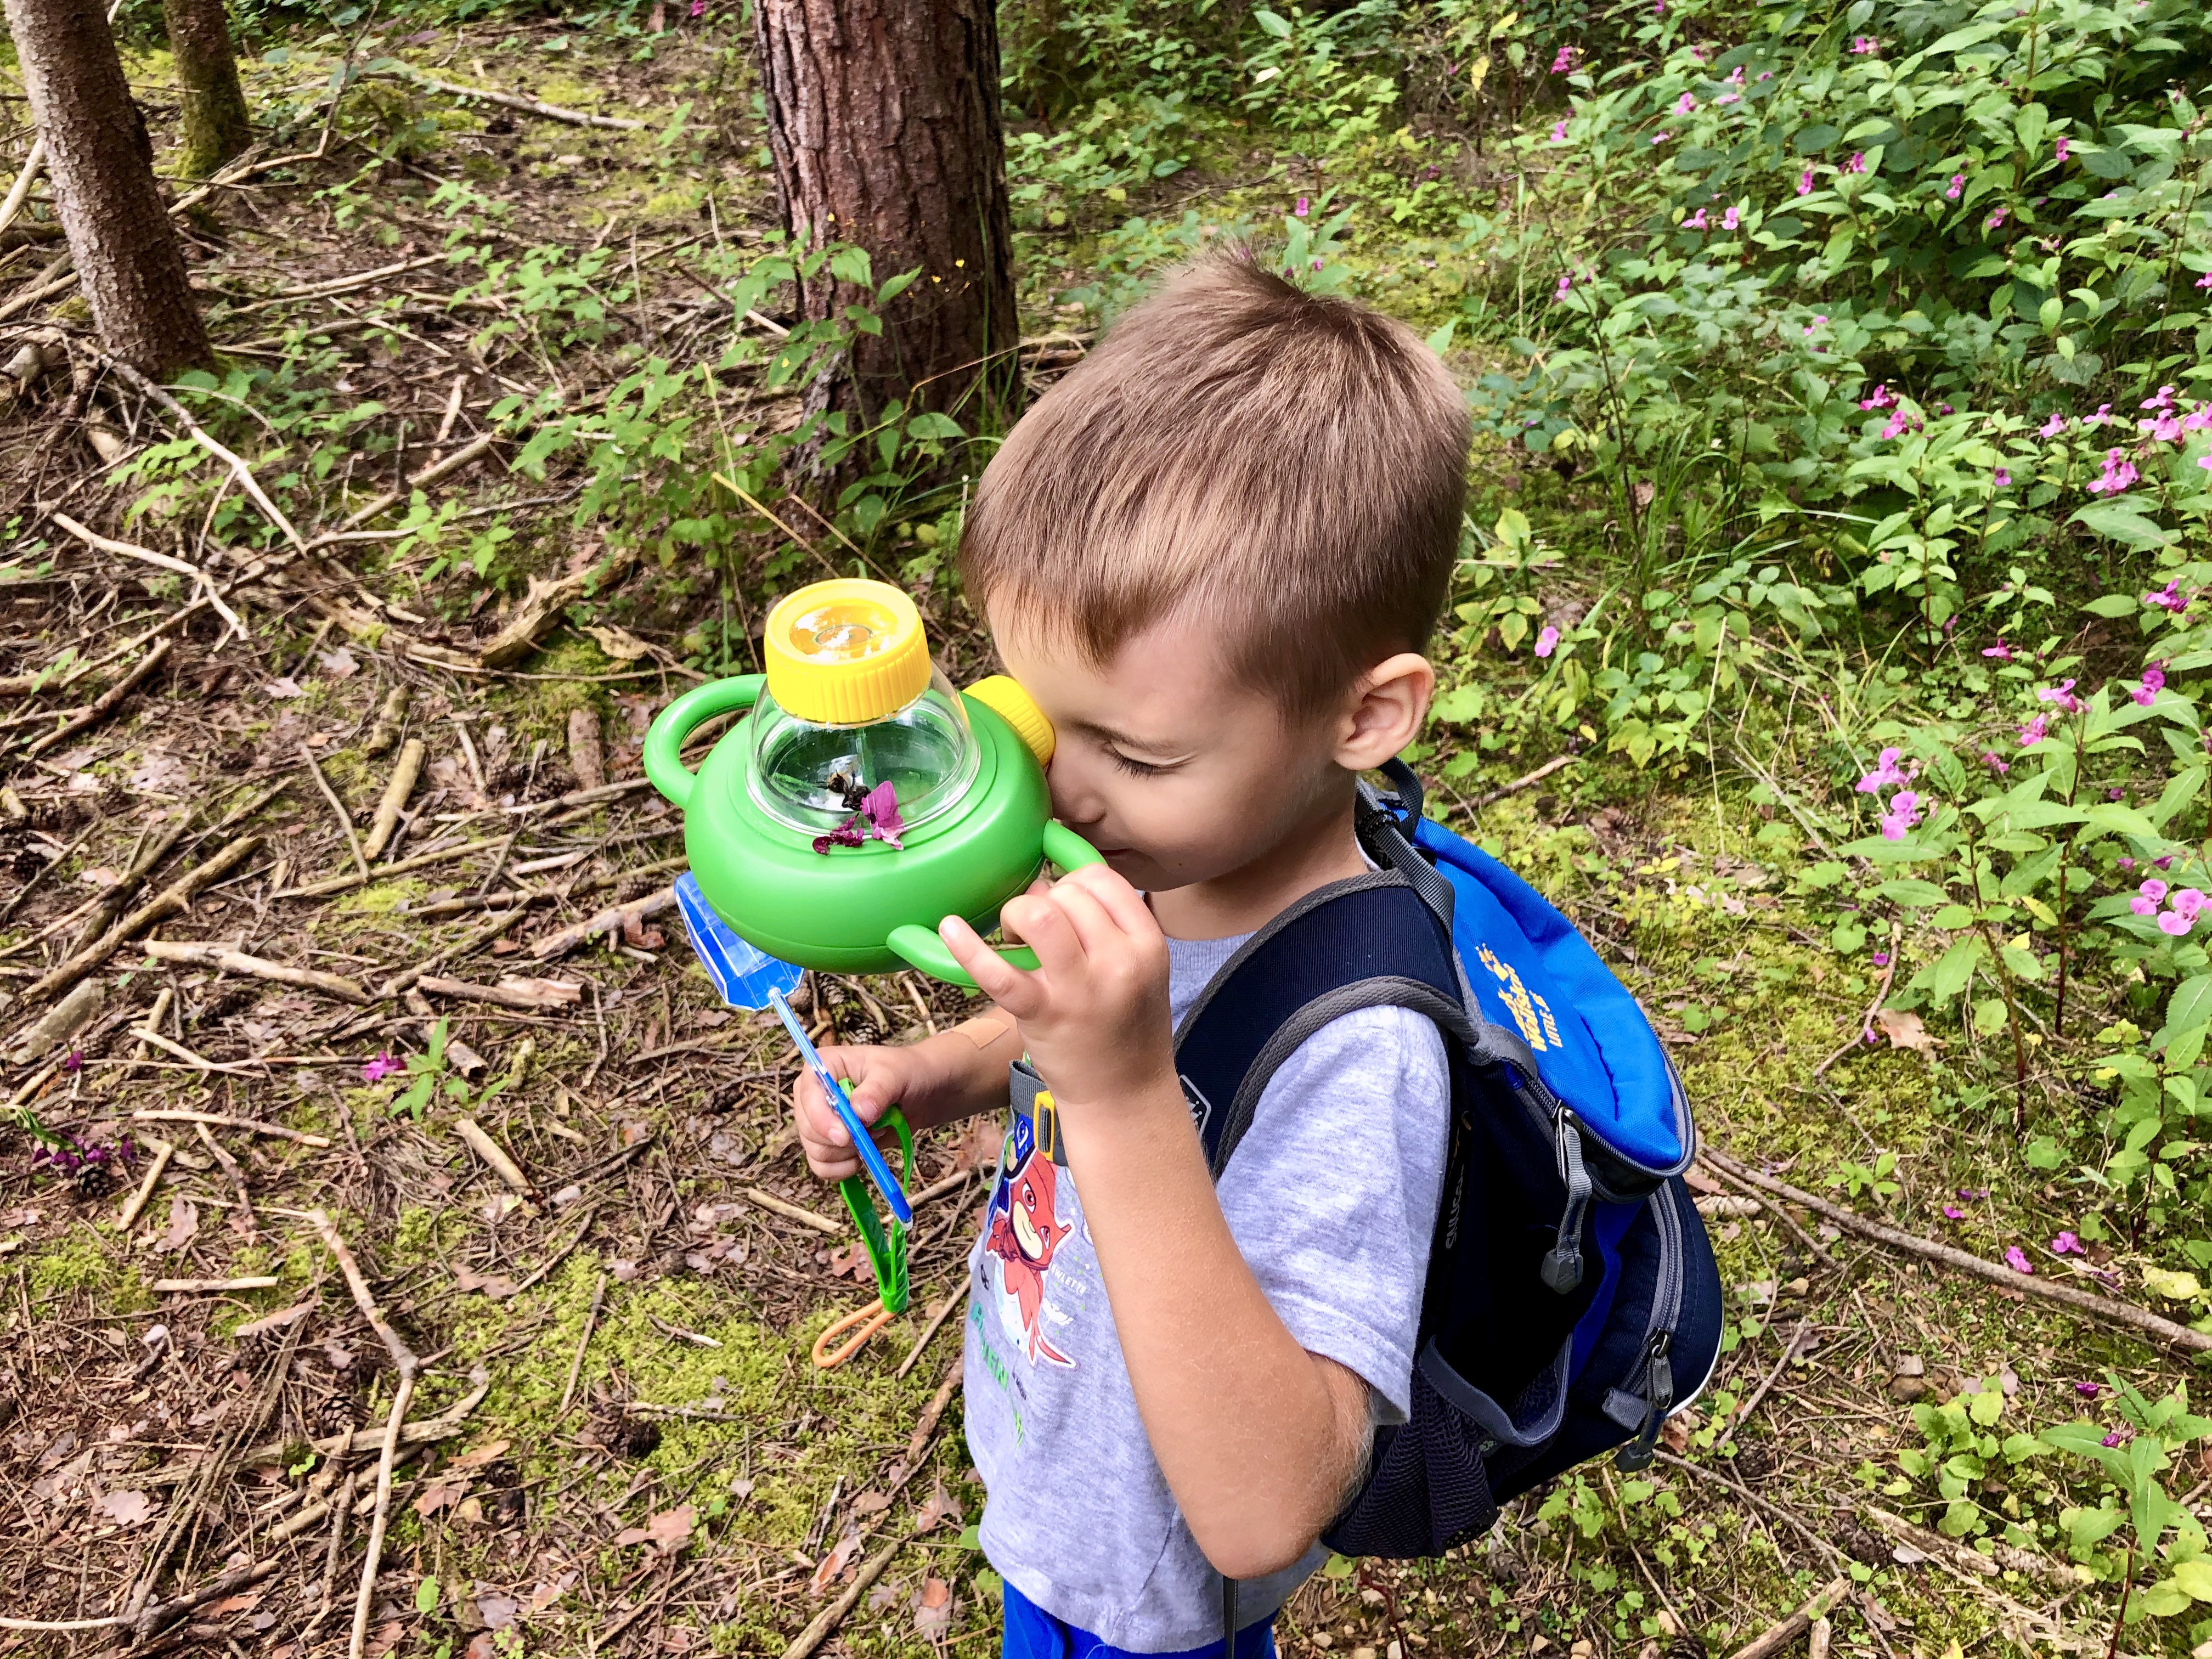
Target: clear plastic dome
810,774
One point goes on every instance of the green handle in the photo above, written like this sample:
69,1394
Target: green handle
885,1242
921,947
663,739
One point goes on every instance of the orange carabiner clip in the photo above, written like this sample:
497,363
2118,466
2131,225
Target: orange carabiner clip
870,1319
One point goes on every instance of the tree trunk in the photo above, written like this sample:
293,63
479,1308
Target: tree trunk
884,123
100,161
216,124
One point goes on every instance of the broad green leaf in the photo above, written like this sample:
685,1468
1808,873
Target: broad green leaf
2113,605
2121,522
2191,1005
1956,966
1913,895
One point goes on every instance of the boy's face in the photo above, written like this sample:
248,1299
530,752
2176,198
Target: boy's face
1164,761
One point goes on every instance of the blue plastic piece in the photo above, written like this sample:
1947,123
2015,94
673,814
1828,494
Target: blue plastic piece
743,974
872,1156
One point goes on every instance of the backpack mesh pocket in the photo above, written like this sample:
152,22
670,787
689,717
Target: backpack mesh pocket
1429,1491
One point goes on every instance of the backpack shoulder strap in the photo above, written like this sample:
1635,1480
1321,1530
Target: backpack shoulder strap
1368,941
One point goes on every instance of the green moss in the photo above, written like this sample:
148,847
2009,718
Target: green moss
425,1236
384,897
84,1260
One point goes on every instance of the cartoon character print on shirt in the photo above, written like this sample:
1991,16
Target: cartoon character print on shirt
1022,1229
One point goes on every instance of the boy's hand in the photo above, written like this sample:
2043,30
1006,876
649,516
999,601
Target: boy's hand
877,1078
1094,1012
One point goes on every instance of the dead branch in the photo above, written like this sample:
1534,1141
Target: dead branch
830,1617
607,920
509,101
239,470
338,808
1780,1635
576,1364
231,960
790,1211
163,905
99,709
437,473
420,860
161,561
524,995
405,772
497,1156
2118,1313
163,1152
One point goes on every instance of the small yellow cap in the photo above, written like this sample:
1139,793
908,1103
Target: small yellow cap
1004,697
845,652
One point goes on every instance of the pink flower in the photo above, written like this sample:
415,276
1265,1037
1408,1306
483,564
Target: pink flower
2016,1259
2053,427
1865,44
2117,1437
1546,641
2197,418
1565,61
2144,907
2162,398
2060,150
1728,98
2063,695
2154,681
2004,479
2168,598
2089,1390
1660,138
2067,1244
379,1068
2205,281
2154,890
1730,219
2104,416
1881,398
1994,761
2165,429
1953,1212
1559,133
1696,220
1805,182
2205,461
1885,772
1904,812
2188,901
1994,220
2034,731
2118,475
1736,75
1685,104
1857,163
1566,286
2173,924
1958,184
1299,211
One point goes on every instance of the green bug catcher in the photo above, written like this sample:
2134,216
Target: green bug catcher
861,799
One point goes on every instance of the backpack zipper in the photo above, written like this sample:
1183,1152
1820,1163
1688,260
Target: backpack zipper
1658,1371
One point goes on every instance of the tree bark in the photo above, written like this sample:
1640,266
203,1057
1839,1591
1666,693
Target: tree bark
216,124
100,161
883,123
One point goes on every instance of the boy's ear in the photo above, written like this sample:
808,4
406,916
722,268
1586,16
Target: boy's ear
1383,711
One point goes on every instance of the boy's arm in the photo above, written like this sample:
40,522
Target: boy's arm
1259,1439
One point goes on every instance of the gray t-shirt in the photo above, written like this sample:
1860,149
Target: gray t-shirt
1331,1198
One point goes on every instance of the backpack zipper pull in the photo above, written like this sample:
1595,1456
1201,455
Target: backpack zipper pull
1562,1268
1659,1393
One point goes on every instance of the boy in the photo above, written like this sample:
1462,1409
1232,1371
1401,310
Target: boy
1212,553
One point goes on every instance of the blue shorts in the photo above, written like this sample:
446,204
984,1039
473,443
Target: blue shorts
1033,1633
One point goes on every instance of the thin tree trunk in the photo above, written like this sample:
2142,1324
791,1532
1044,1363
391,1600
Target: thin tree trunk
100,161
216,124
883,123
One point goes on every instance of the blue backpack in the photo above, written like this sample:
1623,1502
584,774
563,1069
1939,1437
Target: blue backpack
1572,1300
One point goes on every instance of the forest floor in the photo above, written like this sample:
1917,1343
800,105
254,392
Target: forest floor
618,1444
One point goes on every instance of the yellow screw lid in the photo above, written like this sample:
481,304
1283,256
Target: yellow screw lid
1004,697
846,651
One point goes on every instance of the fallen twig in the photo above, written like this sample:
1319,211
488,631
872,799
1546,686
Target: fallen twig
492,1153
945,1310
1780,1212
434,473
790,1211
1865,1033
508,100
99,709
420,860
830,1617
608,920
200,435
1525,779
1780,1635
528,995
405,772
337,809
405,1362
171,900
444,1426
163,1152
199,1286
2118,1313
1773,1510
221,1155
231,960
1743,1412
583,1342
162,561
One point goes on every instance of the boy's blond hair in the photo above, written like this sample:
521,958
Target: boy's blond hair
1235,448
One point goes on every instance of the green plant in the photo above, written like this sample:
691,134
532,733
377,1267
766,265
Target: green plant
2160,1532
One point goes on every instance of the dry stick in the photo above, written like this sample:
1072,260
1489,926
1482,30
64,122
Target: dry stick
114,901
99,709
163,1152
944,1312
501,996
196,1061
148,556
1525,779
830,1617
1772,1511
528,105
207,1287
1779,1636
559,944
2119,1313
216,1151
444,1426
200,435
790,1211
1743,1412
576,1365
152,1023
1781,1212
405,772
231,960
338,807
166,903
926,1425
420,860
403,1360
1866,1020
492,1153
20,192
422,480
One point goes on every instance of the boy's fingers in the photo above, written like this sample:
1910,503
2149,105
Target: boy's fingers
1096,928
1121,899
1046,929
997,978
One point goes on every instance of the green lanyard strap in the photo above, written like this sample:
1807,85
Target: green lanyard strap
883,1237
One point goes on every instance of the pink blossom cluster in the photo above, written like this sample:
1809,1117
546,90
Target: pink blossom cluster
2178,917
1902,813
1886,773
1565,62
2119,472
2168,598
1881,398
2154,682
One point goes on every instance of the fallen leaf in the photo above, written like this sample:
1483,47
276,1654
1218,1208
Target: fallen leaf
832,1566
882,1596
230,1604
1904,1031
639,937
497,1286
498,1611
385,1640
128,1509
477,1457
678,1638
978,1143
284,689
482,1645
669,1531
160,773
871,1503
550,1591
619,643
443,1492
933,1608
183,1221
339,1355
941,1507
851,1263
340,664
